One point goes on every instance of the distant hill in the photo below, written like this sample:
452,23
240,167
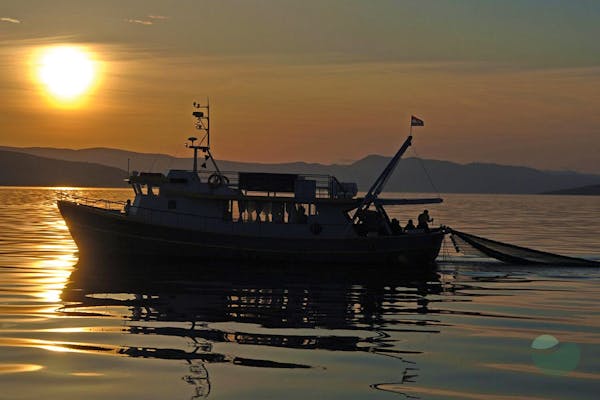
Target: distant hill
590,190
19,169
410,176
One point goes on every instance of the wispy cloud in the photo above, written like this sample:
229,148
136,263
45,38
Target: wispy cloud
148,20
140,21
36,41
11,20
151,19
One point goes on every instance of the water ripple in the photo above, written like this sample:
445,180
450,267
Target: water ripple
177,331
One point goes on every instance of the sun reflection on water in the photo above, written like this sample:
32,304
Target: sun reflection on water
16,368
56,274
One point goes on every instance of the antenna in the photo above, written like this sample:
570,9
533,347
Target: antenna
202,123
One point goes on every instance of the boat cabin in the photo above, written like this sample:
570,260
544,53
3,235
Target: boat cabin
260,203
244,197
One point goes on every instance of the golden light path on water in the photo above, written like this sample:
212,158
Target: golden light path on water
42,253
15,368
67,74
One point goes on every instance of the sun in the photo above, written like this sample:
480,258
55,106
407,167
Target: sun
66,72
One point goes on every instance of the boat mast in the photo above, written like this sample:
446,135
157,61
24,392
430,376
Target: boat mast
192,139
202,124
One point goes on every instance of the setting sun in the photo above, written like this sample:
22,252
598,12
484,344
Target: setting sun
66,72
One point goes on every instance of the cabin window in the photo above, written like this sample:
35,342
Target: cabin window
150,190
172,205
270,211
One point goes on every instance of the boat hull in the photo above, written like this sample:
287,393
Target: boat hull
102,232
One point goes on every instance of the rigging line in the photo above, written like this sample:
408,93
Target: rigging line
171,158
443,249
174,157
428,176
153,163
426,172
154,160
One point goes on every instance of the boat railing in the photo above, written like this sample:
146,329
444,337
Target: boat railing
236,224
324,183
106,204
232,177
230,224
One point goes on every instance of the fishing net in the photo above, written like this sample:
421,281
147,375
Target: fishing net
510,253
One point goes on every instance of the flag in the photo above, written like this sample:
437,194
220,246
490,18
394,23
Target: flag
414,121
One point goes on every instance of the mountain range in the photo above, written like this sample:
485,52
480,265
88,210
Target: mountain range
589,190
21,169
107,167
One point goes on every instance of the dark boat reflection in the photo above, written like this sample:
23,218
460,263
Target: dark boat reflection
295,300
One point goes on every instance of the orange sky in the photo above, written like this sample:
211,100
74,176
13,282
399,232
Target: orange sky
317,82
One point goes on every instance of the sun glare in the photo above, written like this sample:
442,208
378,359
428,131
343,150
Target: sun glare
67,73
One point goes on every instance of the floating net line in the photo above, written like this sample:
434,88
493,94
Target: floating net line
509,253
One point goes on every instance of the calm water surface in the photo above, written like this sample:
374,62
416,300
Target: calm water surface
98,329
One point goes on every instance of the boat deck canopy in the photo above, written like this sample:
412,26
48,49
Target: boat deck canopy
151,178
267,182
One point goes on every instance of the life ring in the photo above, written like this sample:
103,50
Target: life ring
316,228
216,180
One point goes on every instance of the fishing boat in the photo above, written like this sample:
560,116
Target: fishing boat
210,214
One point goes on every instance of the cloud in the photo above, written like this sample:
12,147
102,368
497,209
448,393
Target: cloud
149,20
11,20
140,21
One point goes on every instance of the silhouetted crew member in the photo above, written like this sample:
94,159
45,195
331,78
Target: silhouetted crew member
396,228
302,218
127,207
410,226
424,220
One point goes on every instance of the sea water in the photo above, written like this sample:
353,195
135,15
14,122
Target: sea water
97,329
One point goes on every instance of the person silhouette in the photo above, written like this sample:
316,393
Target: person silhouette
127,207
410,226
396,228
423,220
302,218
